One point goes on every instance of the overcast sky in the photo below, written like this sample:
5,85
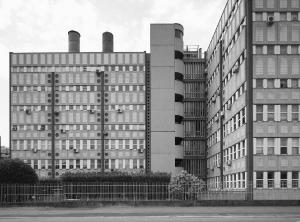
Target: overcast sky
42,25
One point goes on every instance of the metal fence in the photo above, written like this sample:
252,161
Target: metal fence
43,193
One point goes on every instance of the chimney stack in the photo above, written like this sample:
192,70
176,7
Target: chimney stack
74,41
107,42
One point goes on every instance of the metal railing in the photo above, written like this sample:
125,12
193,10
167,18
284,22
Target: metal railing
44,193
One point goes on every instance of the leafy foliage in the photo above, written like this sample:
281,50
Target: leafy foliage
116,177
185,185
16,171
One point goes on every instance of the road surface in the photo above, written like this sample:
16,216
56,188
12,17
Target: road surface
153,214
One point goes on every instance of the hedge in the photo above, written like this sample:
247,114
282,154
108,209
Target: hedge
16,171
116,177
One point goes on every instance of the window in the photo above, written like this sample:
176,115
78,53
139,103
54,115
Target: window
295,146
259,36
259,83
271,146
270,49
283,146
283,49
270,83
259,50
259,112
259,146
294,3
295,179
134,144
259,3
283,179
294,83
283,3
295,112
270,4
271,112
35,164
71,164
259,179
258,16
92,164
294,49
270,179
283,112
283,83
77,164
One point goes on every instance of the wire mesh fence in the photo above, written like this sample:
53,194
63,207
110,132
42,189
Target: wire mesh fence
43,193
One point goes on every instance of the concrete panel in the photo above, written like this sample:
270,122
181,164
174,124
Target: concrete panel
276,163
273,129
162,121
162,55
162,142
162,77
162,34
163,99
162,163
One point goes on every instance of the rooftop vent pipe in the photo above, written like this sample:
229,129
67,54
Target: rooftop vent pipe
107,42
74,41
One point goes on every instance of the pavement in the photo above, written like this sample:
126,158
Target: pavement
153,214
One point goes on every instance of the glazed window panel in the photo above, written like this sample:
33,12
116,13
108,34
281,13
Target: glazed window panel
259,146
294,3
259,66
283,32
259,34
282,3
295,66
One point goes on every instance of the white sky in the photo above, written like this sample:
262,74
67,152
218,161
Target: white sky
42,25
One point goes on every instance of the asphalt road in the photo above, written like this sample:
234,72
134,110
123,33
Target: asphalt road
153,214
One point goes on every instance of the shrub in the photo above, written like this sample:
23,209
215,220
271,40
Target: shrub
186,186
116,177
16,171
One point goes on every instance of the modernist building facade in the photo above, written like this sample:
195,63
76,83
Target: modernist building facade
230,117
102,111
253,97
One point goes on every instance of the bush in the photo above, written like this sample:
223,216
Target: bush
16,171
120,177
186,186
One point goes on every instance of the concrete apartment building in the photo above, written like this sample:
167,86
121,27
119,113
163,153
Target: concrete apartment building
230,117
253,97
104,111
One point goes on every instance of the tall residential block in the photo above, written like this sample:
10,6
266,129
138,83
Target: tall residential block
253,98
77,110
